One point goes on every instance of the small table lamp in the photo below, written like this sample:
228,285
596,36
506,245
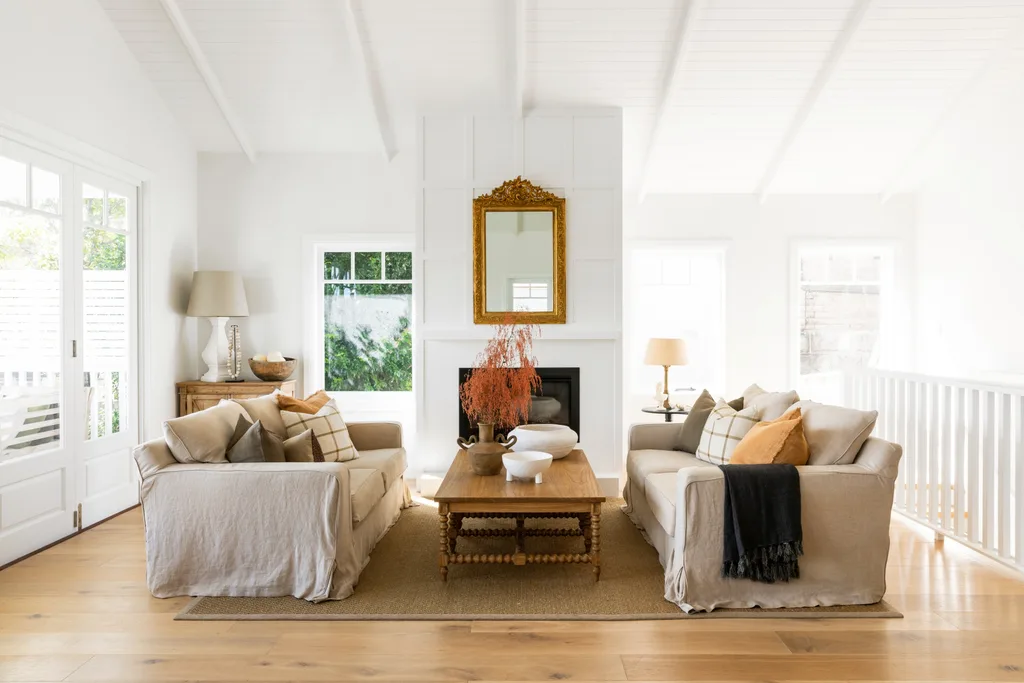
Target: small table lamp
217,295
666,352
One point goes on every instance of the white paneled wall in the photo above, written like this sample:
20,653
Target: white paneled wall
574,154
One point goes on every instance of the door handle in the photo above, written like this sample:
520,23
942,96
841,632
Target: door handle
74,348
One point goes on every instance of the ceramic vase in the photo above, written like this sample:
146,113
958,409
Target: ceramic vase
485,453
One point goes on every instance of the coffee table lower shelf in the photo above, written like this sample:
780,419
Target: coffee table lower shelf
451,527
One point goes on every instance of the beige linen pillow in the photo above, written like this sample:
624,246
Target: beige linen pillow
330,430
265,409
723,431
772,404
835,434
202,436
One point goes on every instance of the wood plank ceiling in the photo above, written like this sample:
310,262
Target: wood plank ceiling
769,96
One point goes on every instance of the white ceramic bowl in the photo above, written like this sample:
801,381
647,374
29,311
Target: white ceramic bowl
558,440
526,465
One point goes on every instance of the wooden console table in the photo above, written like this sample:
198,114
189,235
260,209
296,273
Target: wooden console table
570,490
196,396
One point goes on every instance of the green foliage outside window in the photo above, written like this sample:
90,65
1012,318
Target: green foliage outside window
368,265
398,265
368,356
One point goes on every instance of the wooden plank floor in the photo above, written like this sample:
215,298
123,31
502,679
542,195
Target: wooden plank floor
80,612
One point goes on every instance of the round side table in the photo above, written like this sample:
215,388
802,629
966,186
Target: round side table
667,413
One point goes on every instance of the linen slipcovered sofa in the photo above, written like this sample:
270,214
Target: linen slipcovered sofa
677,501
304,529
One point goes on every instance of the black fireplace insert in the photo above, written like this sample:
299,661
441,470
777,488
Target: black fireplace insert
557,401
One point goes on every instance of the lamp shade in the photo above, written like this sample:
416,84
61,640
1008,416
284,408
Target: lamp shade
217,294
662,351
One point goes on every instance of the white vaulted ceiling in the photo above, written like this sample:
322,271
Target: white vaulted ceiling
737,96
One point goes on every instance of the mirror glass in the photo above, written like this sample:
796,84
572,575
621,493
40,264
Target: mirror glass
519,260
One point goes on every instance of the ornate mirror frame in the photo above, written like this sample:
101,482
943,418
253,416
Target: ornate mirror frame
518,195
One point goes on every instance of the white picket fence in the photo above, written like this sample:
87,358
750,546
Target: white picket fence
962,472
30,338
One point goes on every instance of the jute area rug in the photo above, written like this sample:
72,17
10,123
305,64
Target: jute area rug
402,582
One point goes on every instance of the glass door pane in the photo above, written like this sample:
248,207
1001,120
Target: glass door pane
37,468
106,309
30,309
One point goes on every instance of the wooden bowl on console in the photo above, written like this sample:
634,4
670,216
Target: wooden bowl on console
273,371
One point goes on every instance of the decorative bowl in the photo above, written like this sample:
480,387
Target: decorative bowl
272,371
526,465
558,440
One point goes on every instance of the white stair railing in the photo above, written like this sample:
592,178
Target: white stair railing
962,472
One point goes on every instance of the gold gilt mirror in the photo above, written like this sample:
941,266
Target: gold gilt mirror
519,255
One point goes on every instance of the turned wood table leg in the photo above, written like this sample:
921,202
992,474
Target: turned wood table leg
595,541
586,529
442,510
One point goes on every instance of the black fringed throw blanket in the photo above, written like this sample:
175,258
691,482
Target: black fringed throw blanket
763,537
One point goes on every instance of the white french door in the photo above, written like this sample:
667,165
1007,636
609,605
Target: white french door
68,347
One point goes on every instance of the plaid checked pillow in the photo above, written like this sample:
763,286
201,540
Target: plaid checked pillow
723,431
328,427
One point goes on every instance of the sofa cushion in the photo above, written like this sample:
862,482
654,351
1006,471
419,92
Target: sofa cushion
367,490
202,436
693,425
302,447
247,442
770,404
311,405
264,409
641,463
330,430
273,445
835,434
389,461
723,430
660,490
774,442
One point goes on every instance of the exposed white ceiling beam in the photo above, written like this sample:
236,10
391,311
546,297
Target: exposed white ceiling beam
953,107
517,50
365,65
828,69
209,77
681,49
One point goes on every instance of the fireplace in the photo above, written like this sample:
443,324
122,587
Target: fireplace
557,401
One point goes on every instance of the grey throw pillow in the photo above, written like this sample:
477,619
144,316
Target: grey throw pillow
693,426
247,447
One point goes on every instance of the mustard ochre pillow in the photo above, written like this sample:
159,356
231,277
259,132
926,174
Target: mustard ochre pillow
779,441
310,406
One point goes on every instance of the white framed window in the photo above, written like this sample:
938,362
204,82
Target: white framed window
676,290
360,326
842,295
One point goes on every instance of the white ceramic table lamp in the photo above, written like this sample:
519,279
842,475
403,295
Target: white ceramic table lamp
666,352
217,295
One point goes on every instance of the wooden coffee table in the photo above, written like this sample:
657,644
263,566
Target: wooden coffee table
570,490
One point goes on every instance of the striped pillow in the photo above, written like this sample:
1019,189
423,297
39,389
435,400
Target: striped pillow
723,430
329,428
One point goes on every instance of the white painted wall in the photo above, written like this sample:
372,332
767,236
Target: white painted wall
65,67
970,239
759,239
575,154
255,218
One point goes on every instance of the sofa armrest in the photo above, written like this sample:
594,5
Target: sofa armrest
152,456
371,436
248,529
845,514
653,436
